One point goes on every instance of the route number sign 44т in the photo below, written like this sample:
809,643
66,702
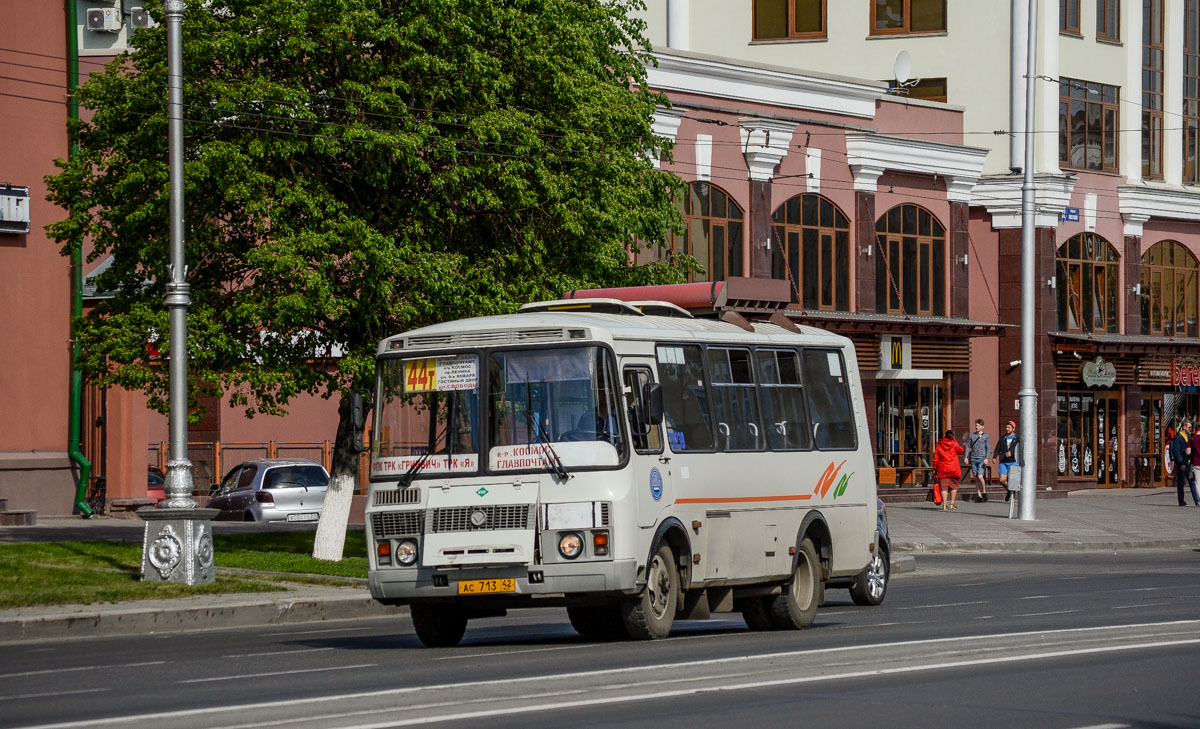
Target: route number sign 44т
441,373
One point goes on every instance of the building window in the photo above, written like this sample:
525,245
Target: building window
1152,89
890,17
1108,20
782,19
926,89
1086,285
1068,16
1087,125
712,232
812,252
1170,293
1191,92
910,269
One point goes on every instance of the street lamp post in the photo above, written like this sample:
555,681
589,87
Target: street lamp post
1027,395
177,546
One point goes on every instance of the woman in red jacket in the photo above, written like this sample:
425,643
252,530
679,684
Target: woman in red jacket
948,468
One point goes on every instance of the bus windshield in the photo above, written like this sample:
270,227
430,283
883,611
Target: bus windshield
559,396
427,416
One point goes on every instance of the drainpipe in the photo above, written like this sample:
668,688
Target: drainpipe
76,400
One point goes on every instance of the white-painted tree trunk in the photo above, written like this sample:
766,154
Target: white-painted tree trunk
331,529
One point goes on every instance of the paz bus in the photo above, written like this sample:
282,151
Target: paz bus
622,459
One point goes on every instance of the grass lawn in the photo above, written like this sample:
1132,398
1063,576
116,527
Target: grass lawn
56,573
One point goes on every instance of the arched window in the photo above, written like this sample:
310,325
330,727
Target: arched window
1170,295
1086,284
812,252
712,232
910,269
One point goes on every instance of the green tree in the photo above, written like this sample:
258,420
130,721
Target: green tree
355,168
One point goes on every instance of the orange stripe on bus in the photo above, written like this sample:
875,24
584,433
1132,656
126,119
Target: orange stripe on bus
735,499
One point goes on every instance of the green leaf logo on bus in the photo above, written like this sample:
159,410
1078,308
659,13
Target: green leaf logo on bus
829,477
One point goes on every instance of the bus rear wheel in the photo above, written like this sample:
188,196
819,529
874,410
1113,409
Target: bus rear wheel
438,626
651,614
796,608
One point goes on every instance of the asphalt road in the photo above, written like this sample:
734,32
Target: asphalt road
1059,641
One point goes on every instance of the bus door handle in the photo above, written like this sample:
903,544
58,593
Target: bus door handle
664,459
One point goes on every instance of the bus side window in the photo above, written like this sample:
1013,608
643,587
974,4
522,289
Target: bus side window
829,400
784,409
647,437
731,372
685,402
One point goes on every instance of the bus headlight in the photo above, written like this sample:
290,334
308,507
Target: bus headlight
406,553
570,545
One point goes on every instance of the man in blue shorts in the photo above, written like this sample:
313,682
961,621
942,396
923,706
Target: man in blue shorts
978,447
1007,453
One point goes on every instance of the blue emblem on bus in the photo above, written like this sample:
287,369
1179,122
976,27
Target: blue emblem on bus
655,484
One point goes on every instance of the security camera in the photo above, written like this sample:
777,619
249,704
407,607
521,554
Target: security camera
1014,363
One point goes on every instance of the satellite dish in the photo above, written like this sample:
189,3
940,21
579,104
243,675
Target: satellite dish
902,67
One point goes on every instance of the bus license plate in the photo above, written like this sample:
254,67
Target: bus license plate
481,587
312,516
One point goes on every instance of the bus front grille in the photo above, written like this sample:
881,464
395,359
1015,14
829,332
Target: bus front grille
395,497
458,518
387,524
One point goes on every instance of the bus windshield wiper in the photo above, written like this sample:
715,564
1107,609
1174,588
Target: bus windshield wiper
555,463
411,473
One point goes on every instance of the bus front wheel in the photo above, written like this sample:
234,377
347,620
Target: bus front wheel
797,606
649,616
438,626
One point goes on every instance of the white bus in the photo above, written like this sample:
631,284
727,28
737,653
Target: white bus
624,460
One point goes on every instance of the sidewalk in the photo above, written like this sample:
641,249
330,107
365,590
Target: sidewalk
1096,519
1107,519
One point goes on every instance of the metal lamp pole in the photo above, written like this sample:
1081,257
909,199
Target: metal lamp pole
177,546
178,487
1027,396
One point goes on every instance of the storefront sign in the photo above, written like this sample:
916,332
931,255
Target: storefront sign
1184,374
1099,373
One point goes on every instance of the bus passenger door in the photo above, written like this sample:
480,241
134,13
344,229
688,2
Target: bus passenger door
651,469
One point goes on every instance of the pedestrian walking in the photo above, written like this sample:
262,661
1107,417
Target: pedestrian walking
947,468
1006,454
979,445
1181,456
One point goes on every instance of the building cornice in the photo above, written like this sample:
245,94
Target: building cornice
1001,195
719,77
870,155
1139,203
764,144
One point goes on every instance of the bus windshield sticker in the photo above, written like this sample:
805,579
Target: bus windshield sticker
465,462
835,364
441,374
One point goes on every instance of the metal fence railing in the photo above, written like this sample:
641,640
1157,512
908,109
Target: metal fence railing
210,461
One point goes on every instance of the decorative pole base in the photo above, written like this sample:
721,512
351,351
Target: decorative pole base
177,546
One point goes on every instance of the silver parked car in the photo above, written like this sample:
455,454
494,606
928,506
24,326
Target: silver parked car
273,489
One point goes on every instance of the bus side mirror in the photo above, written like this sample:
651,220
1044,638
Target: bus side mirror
358,417
652,397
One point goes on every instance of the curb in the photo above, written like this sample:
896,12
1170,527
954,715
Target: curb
1033,547
87,621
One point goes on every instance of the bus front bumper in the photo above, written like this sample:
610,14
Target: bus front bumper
402,585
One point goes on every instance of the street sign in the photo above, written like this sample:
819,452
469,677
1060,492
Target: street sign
1070,215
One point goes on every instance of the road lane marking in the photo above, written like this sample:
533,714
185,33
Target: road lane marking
1052,612
940,605
277,653
311,632
80,668
43,694
275,673
667,667
751,685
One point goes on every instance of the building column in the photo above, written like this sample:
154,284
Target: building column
959,291
764,144
1132,324
865,251
1045,320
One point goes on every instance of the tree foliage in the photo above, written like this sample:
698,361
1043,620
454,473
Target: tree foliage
355,168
